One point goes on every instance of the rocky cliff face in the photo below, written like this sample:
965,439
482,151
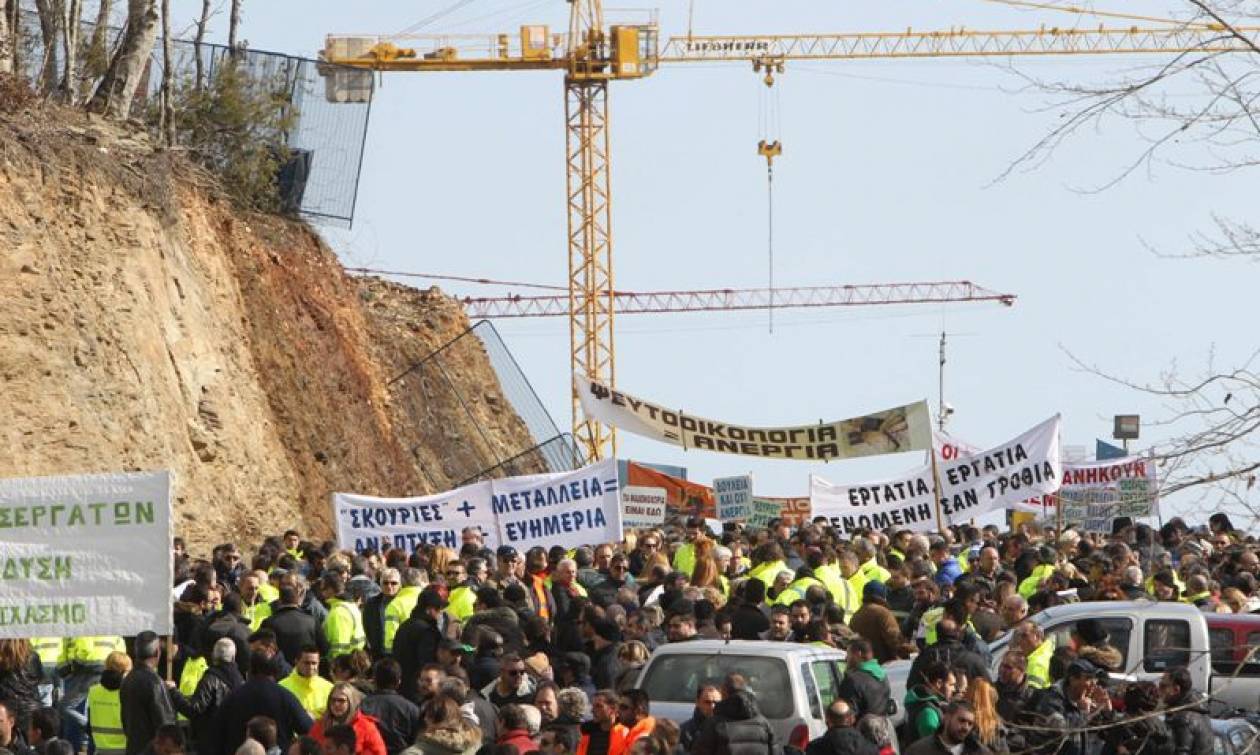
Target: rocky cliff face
146,323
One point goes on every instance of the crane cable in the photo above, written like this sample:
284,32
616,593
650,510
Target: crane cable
1096,13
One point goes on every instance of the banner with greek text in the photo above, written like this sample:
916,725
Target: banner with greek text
734,498
904,503
904,428
367,522
567,509
1000,477
970,485
643,507
1096,493
85,555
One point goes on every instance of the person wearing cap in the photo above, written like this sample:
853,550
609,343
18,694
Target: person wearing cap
875,623
417,639
685,556
1068,705
509,567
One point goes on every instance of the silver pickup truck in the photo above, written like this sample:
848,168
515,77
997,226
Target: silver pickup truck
1154,637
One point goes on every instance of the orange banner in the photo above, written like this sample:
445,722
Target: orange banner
683,498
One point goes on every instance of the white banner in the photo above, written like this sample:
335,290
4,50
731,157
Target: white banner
734,498
1002,476
643,507
366,522
85,555
904,428
567,509
970,485
904,503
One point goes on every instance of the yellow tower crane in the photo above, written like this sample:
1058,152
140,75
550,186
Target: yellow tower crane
595,52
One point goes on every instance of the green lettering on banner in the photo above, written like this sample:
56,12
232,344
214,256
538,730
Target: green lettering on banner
45,568
120,513
35,614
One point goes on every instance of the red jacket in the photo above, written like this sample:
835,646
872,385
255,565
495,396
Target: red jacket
518,737
367,738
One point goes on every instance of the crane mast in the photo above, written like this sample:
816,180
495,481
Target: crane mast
592,54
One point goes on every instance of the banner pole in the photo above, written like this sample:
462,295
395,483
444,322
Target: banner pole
936,482
1058,517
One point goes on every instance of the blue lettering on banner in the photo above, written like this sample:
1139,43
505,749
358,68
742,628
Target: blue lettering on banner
555,524
553,495
407,540
395,516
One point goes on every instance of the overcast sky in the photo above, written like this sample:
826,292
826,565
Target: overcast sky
887,176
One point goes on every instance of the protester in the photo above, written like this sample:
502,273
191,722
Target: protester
145,702
343,710
842,736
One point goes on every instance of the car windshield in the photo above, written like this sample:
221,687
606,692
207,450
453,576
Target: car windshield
674,679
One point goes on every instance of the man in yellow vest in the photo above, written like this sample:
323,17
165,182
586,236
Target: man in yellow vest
462,601
344,626
869,569
84,662
685,556
1029,639
400,608
770,563
255,608
292,544
1040,573
798,587
104,711
828,572
307,685
51,651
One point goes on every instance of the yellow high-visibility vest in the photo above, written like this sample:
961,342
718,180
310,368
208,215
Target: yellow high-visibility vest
398,611
1037,670
312,693
344,628
105,719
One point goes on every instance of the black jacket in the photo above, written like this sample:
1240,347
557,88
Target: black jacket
145,707
294,627
1145,736
952,654
866,693
416,644
748,622
605,666
219,681
374,623
736,728
690,729
19,689
224,624
503,621
846,741
260,696
397,718
1065,722
1190,726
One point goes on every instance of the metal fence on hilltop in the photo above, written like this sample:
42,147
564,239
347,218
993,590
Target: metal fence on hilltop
325,138
441,379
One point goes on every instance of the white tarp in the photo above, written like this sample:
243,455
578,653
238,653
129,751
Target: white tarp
903,428
85,555
566,508
970,485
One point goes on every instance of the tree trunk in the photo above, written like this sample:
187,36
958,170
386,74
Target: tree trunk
234,25
70,31
113,97
6,40
97,60
51,14
168,107
202,23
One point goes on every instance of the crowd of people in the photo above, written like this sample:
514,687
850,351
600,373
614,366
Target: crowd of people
304,649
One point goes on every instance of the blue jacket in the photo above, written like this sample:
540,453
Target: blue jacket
948,571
